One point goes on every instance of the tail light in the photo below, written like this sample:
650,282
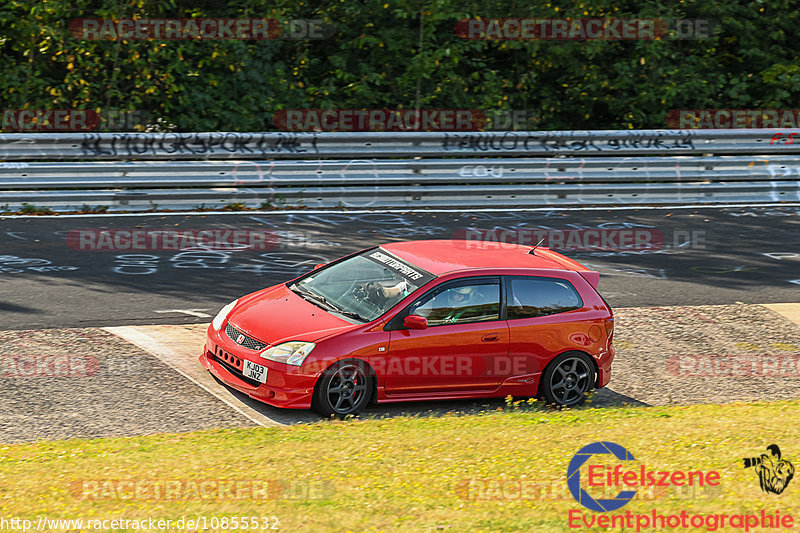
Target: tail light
609,322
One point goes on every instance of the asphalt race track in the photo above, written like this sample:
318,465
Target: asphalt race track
703,256
128,325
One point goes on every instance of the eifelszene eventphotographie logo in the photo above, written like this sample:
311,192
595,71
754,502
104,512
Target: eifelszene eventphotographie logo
574,477
605,475
774,472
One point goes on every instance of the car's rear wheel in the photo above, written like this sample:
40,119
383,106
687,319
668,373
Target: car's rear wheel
344,389
567,379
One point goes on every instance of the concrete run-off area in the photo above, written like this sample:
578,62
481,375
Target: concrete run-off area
133,380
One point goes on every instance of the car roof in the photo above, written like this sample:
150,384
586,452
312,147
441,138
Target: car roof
441,256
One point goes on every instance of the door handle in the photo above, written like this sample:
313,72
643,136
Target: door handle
491,337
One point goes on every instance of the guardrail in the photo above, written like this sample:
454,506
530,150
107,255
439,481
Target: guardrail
143,171
290,145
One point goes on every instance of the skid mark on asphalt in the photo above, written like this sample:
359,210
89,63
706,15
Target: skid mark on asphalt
180,346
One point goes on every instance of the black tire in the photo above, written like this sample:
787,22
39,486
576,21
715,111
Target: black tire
567,379
343,389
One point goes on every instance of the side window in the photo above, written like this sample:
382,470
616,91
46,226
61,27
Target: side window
465,303
532,297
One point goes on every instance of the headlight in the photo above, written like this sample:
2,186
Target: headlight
291,353
222,315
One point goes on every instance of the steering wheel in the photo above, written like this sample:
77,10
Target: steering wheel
369,292
359,293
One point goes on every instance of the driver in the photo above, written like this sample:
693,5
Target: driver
459,300
378,294
452,305
395,293
400,288
460,296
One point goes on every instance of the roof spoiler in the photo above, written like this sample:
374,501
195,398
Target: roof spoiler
592,276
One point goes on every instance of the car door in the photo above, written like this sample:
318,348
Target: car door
544,318
464,347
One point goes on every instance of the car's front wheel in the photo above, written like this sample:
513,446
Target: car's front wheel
343,389
567,379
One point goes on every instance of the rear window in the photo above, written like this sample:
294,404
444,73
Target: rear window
533,296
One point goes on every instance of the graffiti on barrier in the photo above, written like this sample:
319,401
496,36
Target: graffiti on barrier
202,144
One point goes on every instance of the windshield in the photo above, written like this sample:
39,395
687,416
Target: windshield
364,286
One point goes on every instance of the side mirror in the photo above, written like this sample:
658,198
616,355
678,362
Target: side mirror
415,322
319,266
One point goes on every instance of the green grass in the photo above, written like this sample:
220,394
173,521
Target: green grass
404,473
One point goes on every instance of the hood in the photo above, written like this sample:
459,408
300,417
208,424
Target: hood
278,315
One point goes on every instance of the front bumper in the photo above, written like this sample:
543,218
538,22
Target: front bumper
287,386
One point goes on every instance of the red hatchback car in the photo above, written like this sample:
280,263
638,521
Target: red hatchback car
419,320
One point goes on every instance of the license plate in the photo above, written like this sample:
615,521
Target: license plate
254,371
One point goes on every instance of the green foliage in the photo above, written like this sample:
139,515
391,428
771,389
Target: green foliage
379,58
30,209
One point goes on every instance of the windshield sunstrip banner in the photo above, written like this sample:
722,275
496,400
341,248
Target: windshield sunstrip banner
413,274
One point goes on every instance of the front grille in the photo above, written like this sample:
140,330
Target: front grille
247,342
233,365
